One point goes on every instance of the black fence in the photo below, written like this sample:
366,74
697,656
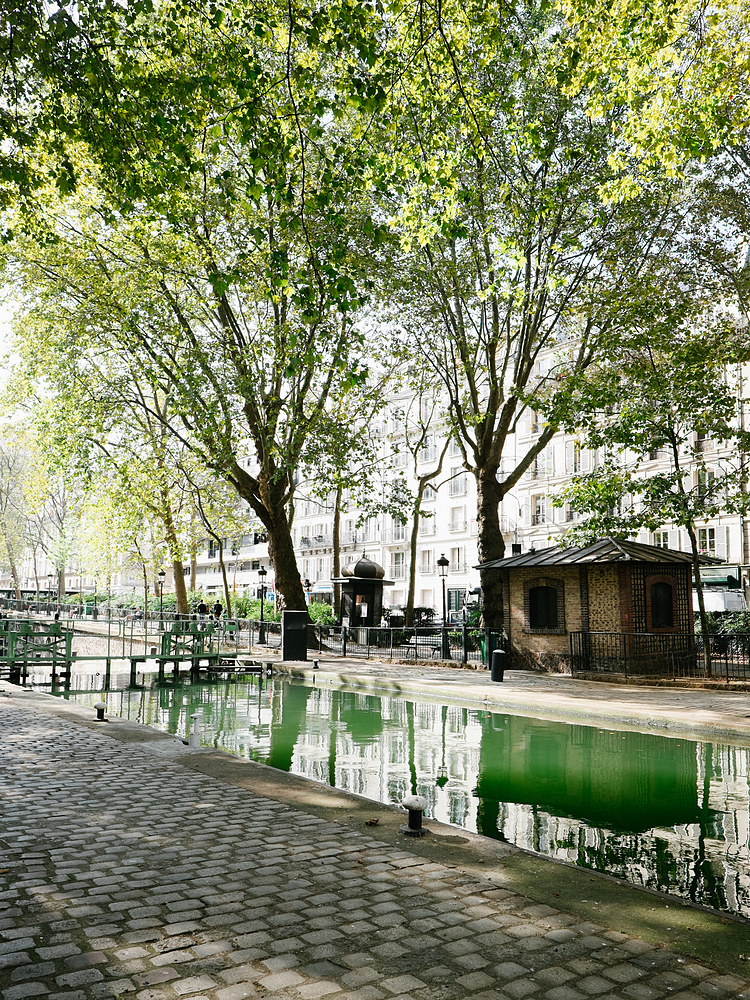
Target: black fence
660,655
461,644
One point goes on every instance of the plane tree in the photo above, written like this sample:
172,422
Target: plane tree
213,235
513,271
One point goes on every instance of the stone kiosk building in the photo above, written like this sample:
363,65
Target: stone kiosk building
614,605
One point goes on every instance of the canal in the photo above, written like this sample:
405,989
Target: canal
669,814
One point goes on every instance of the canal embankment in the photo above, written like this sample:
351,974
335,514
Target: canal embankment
699,713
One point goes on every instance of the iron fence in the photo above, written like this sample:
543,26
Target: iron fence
461,644
660,655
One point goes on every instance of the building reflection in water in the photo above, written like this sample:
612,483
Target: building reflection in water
671,814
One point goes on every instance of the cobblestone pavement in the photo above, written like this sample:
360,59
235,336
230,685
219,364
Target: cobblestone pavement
123,873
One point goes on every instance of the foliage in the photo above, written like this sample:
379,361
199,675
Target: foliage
321,613
213,237
682,69
730,623
507,245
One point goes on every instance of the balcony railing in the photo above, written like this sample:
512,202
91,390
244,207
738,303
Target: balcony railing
454,526
539,518
428,570
316,542
427,454
398,572
395,534
458,566
457,487
428,526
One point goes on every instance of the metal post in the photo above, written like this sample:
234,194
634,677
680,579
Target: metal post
464,643
343,640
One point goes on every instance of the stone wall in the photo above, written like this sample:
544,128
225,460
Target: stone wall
604,597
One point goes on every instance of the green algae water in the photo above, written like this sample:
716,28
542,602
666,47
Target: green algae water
668,814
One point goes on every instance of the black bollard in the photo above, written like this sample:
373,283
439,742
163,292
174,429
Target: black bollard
415,805
498,664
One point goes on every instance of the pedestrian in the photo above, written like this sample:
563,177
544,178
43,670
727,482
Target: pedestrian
218,608
202,610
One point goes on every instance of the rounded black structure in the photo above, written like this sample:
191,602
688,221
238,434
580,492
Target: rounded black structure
362,583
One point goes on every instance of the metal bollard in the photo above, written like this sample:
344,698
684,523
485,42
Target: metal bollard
100,707
315,664
194,737
416,804
498,664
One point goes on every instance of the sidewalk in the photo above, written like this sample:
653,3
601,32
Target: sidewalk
133,866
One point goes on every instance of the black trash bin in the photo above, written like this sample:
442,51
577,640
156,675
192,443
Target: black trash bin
498,664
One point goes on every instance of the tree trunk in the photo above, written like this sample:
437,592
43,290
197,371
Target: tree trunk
491,545
193,562
12,564
272,512
337,552
60,583
703,617
223,565
175,551
415,515
281,553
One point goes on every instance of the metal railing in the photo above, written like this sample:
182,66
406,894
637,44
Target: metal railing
462,644
660,654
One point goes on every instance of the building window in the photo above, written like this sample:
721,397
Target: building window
662,605
707,541
661,539
577,457
457,483
398,565
543,607
538,509
429,493
705,483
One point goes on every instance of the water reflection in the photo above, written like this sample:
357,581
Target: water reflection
666,813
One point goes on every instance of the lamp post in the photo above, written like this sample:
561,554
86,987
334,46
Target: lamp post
161,574
443,565
49,591
262,573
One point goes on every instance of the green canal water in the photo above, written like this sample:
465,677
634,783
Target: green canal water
670,814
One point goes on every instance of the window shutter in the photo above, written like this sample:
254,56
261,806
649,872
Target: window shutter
674,539
569,452
527,513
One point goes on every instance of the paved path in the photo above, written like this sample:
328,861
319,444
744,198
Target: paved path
123,872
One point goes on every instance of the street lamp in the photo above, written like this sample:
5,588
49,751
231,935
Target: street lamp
262,573
443,565
161,574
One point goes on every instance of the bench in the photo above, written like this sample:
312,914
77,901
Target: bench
433,642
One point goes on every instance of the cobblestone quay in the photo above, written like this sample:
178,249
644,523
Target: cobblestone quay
125,873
